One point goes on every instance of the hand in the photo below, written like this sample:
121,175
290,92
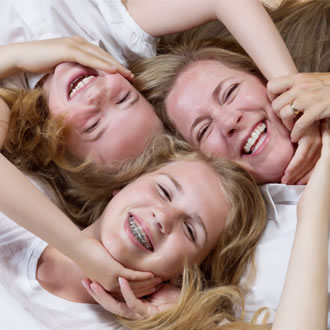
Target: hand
310,94
44,55
305,157
101,267
4,121
133,308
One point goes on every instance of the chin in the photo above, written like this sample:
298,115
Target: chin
274,172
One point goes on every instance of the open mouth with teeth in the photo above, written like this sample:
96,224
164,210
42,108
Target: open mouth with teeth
256,139
138,233
78,83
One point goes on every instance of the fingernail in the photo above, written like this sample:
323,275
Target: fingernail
84,284
92,288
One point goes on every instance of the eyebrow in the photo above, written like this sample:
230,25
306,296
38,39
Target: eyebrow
176,183
215,92
196,217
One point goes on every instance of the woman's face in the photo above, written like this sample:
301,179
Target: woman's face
226,112
163,217
110,120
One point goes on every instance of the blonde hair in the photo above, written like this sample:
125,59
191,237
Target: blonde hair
35,143
304,27
84,193
214,286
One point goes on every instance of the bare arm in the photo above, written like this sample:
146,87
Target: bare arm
247,20
44,55
304,300
28,207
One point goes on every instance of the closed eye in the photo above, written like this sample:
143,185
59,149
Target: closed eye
190,231
228,92
92,127
123,99
202,132
164,193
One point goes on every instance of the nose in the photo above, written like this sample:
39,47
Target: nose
228,119
97,96
166,218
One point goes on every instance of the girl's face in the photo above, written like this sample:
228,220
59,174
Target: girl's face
226,112
176,212
110,120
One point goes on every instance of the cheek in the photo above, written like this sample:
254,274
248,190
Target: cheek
170,264
54,106
139,130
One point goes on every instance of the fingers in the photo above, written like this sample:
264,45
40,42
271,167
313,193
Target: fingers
132,302
93,56
106,300
280,85
145,288
304,179
302,123
134,275
305,158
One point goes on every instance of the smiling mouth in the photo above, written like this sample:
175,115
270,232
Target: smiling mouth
78,83
138,233
256,139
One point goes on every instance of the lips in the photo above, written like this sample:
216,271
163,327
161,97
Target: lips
139,233
256,139
78,83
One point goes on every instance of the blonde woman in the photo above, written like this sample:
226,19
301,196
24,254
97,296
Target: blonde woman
158,221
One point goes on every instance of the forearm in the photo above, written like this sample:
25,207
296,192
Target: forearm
305,295
253,28
8,60
28,207
303,304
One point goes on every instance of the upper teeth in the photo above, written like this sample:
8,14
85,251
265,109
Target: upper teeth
254,136
82,83
138,233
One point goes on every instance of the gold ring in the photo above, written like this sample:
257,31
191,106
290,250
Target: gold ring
294,109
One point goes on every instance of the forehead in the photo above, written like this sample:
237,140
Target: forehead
193,88
202,74
199,181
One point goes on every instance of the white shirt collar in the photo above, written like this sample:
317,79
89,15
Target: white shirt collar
277,193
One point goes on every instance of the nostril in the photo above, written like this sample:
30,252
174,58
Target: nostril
231,132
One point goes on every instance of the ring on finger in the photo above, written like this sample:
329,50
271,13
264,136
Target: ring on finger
294,109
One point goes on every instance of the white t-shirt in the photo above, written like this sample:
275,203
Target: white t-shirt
103,22
24,304
274,249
